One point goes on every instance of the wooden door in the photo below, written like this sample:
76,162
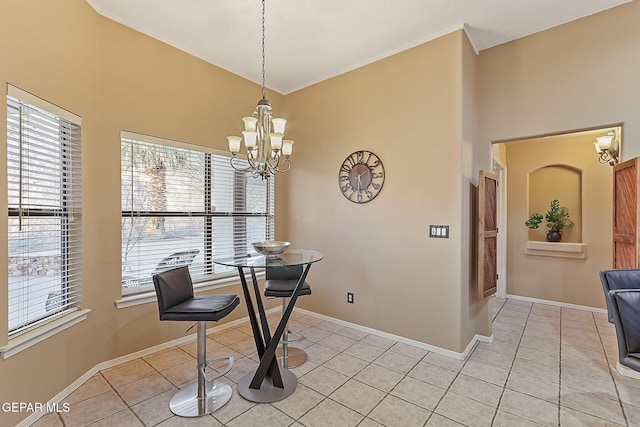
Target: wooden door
625,214
487,234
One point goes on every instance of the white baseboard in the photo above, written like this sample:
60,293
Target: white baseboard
424,346
58,398
147,351
558,304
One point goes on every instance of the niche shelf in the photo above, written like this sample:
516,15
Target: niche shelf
557,249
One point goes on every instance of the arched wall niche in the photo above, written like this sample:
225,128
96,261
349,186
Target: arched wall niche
562,182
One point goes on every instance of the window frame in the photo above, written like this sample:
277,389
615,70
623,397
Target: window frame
65,309
211,278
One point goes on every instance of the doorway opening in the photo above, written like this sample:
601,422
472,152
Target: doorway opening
547,275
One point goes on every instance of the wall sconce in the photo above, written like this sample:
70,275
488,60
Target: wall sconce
608,148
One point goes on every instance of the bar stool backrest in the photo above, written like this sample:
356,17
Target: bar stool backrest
172,288
284,273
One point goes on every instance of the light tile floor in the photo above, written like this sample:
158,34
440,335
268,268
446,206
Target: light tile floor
547,366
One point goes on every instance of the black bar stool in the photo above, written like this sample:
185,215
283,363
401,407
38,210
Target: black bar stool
280,283
176,301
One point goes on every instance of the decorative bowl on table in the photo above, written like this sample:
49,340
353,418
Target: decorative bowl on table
271,248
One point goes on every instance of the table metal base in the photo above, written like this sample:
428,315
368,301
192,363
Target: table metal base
185,402
296,357
267,393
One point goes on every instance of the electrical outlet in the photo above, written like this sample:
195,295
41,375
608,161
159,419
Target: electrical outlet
350,297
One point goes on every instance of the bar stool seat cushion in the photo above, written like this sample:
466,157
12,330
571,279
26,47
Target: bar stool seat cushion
177,302
207,307
284,288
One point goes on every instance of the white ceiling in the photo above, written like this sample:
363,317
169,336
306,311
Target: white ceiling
308,41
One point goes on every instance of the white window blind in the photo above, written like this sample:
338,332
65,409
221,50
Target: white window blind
184,205
44,210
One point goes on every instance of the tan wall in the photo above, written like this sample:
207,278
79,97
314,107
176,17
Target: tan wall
499,153
476,313
412,109
567,78
575,76
574,281
118,79
114,78
408,110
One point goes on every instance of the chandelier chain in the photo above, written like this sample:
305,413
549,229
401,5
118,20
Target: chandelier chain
263,56
267,152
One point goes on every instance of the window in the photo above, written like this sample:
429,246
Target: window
44,227
184,205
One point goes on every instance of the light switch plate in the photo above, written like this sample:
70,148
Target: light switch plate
439,231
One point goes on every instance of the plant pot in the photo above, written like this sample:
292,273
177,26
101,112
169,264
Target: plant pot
554,235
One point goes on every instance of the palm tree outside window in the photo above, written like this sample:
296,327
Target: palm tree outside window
184,205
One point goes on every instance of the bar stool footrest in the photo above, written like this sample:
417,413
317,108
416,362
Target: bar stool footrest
231,361
296,337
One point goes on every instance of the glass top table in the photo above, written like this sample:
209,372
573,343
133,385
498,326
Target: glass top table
288,258
268,383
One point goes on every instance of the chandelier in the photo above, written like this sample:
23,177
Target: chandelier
267,152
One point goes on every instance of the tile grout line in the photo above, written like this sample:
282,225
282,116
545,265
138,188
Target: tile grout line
503,308
613,380
113,388
609,367
449,387
386,393
514,357
327,397
504,387
120,396
560,369
458,374
365,416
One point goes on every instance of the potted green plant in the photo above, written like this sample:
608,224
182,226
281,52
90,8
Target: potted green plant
557,218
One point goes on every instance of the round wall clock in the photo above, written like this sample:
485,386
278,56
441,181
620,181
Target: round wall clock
361,176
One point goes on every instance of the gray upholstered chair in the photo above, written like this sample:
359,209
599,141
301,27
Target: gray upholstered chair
618,279
622,293
625,304
176,301
280,283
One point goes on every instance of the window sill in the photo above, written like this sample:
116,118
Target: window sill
557,249
133,300
26,340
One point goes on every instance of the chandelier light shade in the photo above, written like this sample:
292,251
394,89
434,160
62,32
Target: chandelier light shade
267,151
608,148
